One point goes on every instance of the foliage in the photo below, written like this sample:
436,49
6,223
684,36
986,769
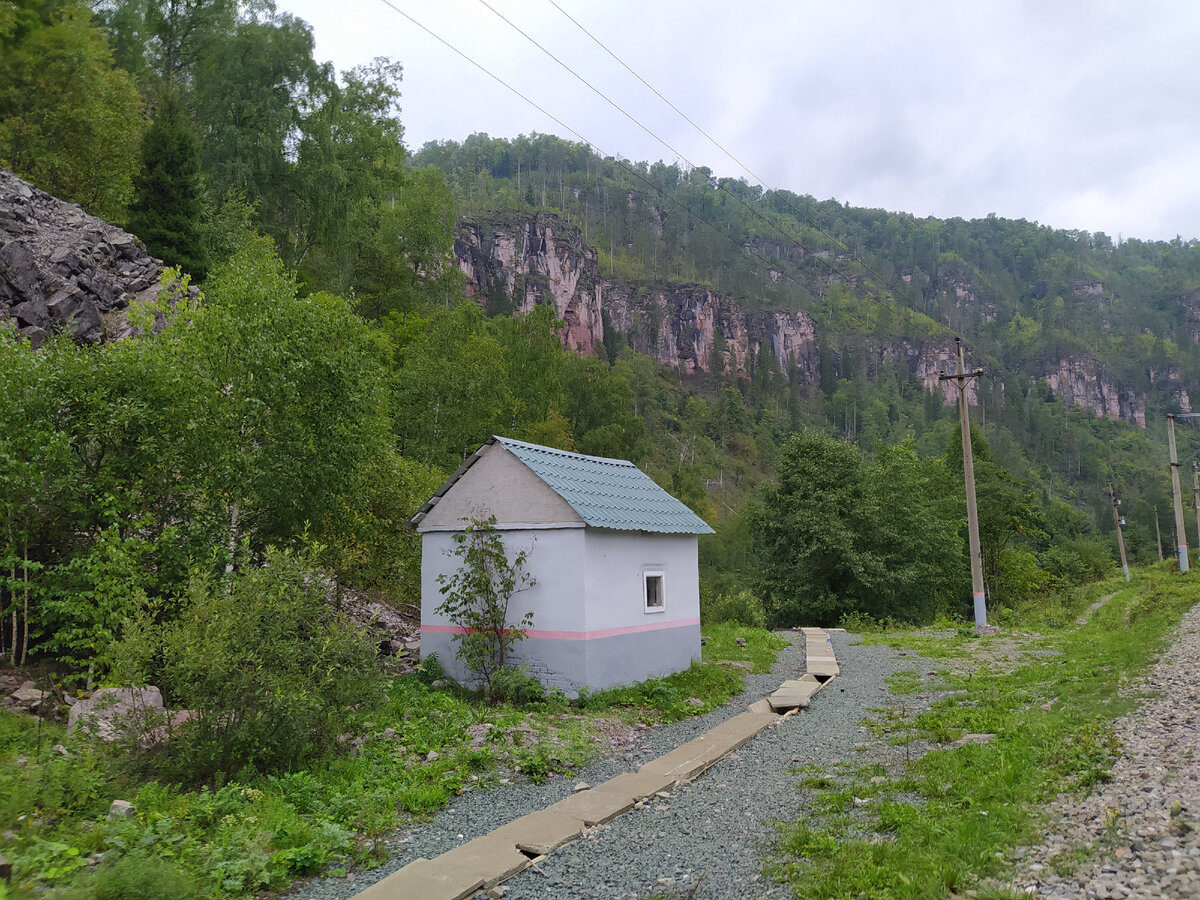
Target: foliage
476,598
138,875
835,534
261,832
742,608
270,669
167,209
69,121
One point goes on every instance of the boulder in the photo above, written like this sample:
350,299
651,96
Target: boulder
110,712
27,696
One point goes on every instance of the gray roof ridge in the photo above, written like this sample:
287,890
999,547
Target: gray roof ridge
611,460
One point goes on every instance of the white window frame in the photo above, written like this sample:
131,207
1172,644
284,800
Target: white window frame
648,574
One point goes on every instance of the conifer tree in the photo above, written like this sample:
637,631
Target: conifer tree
168,202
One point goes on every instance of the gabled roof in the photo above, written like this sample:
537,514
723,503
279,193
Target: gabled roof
606,493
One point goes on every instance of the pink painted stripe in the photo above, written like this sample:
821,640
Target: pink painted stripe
572,635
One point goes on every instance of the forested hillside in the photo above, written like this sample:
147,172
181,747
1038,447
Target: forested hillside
529,287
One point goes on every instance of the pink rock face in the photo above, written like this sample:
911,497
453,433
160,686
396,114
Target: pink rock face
540,258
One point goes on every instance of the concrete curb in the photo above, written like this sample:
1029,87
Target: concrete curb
481,864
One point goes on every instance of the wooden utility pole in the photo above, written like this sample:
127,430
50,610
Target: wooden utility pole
1196,496
960,379
1120,538
1180,533
1158,535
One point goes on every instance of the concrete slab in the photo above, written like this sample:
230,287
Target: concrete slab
488,858
819,632
593,807
822,669
540,833
782,701
425,879
638,785
795,693
759,706
689,760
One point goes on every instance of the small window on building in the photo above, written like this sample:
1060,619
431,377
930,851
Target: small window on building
655,591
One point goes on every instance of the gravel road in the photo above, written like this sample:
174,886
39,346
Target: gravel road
709,835
1142,828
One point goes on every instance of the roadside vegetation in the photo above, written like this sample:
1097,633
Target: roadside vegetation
949,788
247,832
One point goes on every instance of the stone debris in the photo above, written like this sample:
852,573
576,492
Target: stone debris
110,712
1143,827
61,268
120,809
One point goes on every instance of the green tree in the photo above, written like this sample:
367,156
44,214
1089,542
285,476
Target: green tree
836,533
69,121
814,560
168,208
452,391
477,598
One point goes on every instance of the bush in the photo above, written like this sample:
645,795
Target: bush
744,608
138,875
271,670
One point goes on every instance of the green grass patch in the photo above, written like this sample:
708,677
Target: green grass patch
949,821
259,833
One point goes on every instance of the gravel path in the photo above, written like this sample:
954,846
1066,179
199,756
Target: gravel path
709,835
1143,828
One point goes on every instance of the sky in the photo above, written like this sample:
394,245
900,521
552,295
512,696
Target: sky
1079,115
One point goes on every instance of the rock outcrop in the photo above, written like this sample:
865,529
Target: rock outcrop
61,268
526,260
517,260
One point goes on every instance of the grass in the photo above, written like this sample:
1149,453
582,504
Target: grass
261,832
947,823
704,686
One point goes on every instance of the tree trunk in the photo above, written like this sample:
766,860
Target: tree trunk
25,612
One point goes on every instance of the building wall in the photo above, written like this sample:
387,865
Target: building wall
556,600
626,643
499,485
590,624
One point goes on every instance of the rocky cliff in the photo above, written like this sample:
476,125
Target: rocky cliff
63,269
528,260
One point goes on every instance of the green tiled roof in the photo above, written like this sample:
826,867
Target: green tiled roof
607,493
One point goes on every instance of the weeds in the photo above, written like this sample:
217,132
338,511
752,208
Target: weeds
256,833
1049,700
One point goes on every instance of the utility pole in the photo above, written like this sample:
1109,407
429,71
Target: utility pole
1180,533
1117,521
960,379
1196,496
1158,535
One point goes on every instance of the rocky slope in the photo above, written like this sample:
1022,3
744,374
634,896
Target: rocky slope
63,269
529,259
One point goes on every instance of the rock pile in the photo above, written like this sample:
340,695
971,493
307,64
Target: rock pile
63,269
1143,828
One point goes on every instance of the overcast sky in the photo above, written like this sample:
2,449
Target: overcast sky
1072,114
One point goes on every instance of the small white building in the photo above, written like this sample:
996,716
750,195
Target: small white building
617,598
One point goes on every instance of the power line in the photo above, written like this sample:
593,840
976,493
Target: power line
749,208
714,141
631,170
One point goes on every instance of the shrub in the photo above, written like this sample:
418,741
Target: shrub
476,598
137,875
271,670
744,608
